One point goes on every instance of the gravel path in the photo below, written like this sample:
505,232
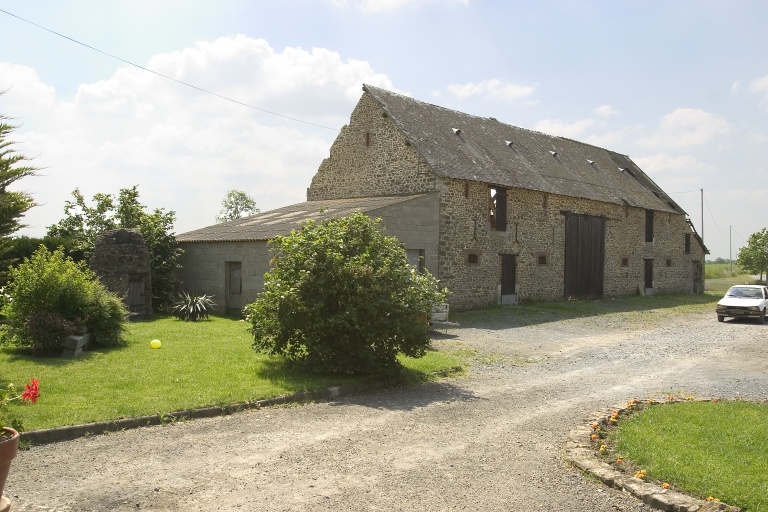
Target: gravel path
489,441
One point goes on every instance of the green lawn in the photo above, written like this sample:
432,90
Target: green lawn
200,364
702,448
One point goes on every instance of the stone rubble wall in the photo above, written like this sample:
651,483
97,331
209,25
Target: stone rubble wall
119,256
371,157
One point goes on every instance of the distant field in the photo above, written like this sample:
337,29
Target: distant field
721,270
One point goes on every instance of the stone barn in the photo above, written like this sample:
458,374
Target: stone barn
504,213
121,262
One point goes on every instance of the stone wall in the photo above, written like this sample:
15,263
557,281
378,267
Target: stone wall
536,236
121,262
371,157
415,223
205,271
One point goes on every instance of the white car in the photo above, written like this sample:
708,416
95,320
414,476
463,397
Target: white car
744,301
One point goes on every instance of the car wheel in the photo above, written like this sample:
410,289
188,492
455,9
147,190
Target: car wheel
761,318
720,318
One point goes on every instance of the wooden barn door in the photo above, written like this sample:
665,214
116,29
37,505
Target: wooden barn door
135,299
584,256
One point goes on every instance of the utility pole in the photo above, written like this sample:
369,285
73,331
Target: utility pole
702,214
730,249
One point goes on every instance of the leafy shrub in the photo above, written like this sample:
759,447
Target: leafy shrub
341,297
50,291
46,328
193,308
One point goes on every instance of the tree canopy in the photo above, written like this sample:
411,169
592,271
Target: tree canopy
235,205
13,204
754,256
342,297
83,223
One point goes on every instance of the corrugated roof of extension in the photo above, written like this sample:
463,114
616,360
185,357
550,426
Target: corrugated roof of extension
267,225
462,146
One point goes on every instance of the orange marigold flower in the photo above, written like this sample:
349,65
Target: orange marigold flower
665,485
619,460
593,436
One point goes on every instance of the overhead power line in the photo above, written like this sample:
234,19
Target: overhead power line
166,76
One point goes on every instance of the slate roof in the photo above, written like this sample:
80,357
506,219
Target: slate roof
489,151
267,225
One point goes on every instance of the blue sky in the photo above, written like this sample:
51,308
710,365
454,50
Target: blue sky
681,87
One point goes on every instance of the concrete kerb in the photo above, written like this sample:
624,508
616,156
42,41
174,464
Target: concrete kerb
53,435
579,450
46,436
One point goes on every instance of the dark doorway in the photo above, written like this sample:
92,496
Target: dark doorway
584,256
648,276
135,299
508,279
234,305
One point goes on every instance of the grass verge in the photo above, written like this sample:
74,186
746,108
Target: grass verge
707,449
200,364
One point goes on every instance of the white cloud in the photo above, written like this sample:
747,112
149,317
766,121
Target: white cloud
685,127
494,88
606,111
756,137
563,128
25,92
760,86
185,148
680,165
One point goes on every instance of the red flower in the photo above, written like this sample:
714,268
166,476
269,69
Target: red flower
32,392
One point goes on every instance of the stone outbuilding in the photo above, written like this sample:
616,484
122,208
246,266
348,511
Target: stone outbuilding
121,262
497,213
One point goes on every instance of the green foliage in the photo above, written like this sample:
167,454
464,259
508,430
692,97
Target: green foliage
192,307
51,296
754,256
83,224
721,270
341,297
13,204
236,204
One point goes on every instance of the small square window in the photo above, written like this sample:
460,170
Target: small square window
473,259
669,262
624,262
542,259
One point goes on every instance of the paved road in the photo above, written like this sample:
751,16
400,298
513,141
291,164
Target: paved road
488,441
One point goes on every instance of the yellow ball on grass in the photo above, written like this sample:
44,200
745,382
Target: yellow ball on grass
155,344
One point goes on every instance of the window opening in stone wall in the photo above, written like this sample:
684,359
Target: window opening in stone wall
367,139
649,225
687,243
669,262
473,259
416,258
545,201
624,262
542,259
466,189
497,208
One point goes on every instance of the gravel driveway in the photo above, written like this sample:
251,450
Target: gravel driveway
490,440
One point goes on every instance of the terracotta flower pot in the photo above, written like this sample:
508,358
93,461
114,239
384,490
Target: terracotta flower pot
9,445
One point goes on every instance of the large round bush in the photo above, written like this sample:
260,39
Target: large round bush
52,297
341,297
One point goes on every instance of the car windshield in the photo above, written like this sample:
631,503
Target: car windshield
743,291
